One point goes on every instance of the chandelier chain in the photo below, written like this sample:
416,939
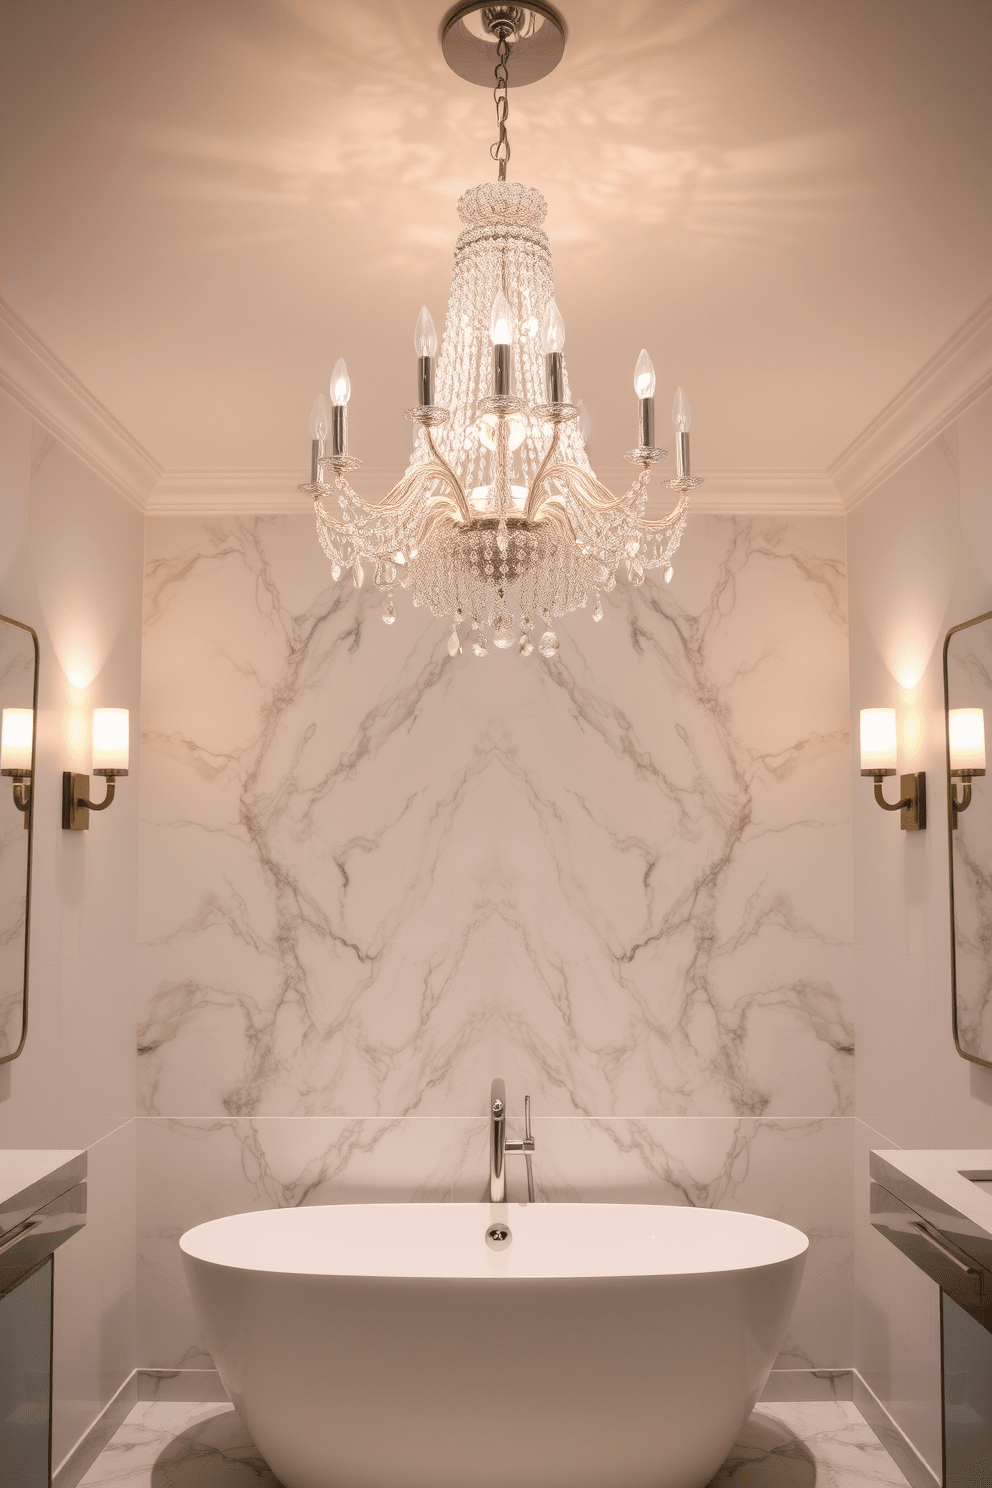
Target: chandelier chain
500,151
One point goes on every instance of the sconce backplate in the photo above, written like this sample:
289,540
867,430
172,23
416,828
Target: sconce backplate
913,791
75,788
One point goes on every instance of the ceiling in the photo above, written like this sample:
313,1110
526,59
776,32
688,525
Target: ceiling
206,202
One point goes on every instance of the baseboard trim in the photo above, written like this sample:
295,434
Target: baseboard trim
200,1386
785,1385
77,1463
895,1441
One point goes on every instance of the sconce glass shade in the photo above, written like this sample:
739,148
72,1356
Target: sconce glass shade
878,739
966,727
15,739
110,739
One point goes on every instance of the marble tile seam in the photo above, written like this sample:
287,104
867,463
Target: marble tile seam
482,1116
895,1146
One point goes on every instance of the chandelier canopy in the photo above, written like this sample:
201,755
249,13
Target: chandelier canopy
499,521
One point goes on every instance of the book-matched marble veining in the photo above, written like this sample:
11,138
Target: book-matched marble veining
374,876
374,873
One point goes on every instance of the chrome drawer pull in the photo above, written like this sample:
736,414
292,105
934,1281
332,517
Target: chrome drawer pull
915,1224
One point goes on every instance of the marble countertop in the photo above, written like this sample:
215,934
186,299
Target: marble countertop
932,1183
31,1178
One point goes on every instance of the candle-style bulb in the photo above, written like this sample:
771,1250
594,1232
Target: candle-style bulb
340,384
319,422
644,378
425,336
681,412
552,329
501,321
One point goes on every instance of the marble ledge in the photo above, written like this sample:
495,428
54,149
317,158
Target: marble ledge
30,1179
936,1184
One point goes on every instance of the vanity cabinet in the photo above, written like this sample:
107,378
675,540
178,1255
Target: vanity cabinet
936,1208
42,1204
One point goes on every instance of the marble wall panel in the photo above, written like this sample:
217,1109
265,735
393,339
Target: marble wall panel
194,1170
374,876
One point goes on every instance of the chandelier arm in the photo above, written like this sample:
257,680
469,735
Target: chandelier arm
660,523
450,477
530,510
406,490
567,472
325,516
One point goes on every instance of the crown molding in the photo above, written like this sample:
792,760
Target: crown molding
258,492
206,492
185,492
772,492
44,387
944,387
958,374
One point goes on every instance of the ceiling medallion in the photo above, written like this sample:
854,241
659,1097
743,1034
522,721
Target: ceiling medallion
499,521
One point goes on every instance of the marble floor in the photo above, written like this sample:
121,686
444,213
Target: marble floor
823,1444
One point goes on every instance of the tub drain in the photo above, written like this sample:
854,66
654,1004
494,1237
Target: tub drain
498,1237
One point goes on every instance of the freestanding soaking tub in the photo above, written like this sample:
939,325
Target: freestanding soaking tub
408,1346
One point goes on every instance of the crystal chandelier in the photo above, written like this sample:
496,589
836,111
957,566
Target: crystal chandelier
498,523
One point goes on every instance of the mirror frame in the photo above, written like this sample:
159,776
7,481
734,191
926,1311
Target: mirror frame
19,625
965,625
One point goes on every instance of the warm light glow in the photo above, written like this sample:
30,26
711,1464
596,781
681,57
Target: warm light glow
318,418
340,384
967,738
110,738
501,321
425,336
15,741
644,378
681,413
878,738
488,424
552,329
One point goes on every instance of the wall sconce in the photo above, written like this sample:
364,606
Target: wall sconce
16,738
878,759
966,751
110,758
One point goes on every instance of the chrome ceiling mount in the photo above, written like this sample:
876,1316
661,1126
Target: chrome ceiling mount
471,34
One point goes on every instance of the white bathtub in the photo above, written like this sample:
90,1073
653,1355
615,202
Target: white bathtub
389,1346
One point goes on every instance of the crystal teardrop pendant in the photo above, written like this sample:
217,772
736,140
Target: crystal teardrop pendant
454,644
480,645
597,613
526,645
548,645
359,573
389,614
668,574
335,571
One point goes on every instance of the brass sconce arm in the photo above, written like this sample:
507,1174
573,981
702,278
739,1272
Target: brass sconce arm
913,801
957,806
76,805
21,780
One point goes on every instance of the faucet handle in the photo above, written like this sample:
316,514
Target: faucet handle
527,1135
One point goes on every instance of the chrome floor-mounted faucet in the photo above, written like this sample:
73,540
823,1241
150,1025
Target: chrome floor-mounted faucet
499,1146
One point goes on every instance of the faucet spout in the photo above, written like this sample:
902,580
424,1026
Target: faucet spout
497,1143
499,1146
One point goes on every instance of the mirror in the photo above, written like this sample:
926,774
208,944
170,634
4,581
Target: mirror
967,710
19,704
